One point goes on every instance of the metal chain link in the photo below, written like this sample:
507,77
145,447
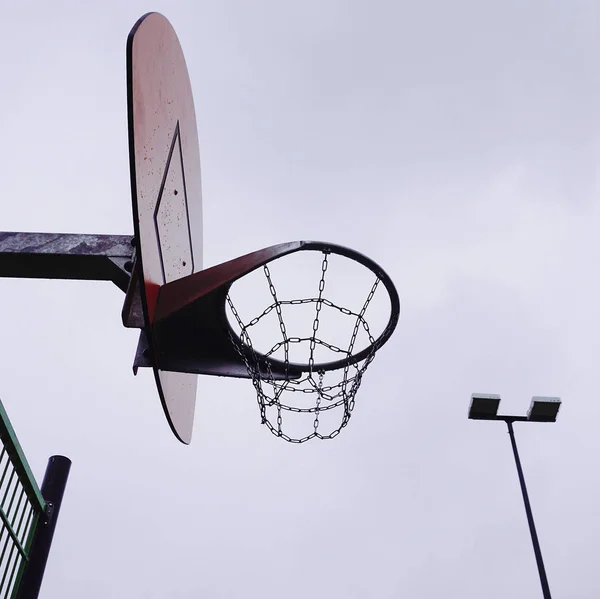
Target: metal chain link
319,305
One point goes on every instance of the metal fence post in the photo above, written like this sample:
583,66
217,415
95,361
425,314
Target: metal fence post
53,488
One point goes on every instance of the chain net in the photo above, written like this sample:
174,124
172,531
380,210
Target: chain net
323,400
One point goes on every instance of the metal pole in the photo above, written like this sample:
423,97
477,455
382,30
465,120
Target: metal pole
53,488
67,256
534,538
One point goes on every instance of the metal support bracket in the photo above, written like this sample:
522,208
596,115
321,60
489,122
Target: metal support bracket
83,257
133,312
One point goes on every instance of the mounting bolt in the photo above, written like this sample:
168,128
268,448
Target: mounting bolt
128,266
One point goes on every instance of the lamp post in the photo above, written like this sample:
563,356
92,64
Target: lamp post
542,409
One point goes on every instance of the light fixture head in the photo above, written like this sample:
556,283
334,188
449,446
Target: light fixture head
543,409
484,406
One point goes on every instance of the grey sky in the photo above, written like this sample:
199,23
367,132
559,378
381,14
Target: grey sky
456,145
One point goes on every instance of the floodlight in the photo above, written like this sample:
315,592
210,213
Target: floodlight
543,409
484,406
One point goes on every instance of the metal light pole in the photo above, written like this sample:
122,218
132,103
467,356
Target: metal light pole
542,409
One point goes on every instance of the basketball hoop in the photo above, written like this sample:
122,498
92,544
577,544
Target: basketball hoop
305,353
312,390
310,362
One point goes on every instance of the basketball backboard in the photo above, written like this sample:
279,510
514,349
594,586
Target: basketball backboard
186,326
166,186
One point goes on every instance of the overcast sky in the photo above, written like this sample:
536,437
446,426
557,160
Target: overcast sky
455,143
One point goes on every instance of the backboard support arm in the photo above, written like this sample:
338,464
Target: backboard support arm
74,256
67,256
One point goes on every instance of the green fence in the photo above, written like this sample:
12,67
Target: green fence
21,505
